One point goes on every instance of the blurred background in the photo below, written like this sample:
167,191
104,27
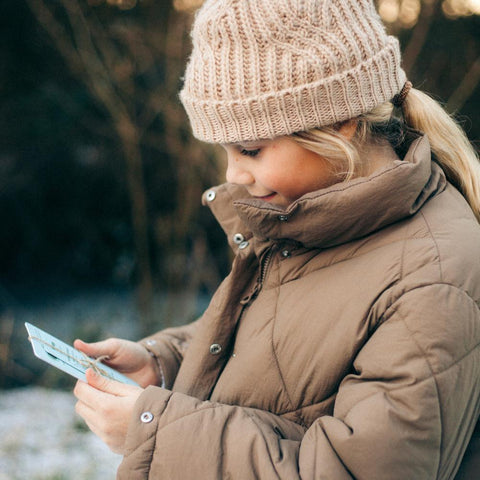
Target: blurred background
102,230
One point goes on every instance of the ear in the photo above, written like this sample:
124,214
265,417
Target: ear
348,128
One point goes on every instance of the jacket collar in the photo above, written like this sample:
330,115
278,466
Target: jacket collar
338,214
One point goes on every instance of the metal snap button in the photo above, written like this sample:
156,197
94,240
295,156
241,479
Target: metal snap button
283,218
215,348
243,245
211,195
146,417
238,238
286,253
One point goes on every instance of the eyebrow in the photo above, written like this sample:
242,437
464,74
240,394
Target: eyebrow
254,144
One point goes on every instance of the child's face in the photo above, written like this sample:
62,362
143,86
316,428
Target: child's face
278,171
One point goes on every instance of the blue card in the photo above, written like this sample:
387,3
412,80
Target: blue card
66,358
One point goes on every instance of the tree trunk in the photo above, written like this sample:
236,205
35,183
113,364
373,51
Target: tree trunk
136,189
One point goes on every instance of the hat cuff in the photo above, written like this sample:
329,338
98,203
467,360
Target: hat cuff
325,102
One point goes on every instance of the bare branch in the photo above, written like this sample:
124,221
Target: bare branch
466,88
58,34
420,33
99,80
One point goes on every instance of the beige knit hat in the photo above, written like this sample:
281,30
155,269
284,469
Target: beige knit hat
265,68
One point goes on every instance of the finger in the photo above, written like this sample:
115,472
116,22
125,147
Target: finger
78,387
94,403
86,412
91,417
109,386
96,423
89,395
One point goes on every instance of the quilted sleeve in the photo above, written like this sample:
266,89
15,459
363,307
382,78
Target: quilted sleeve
168,346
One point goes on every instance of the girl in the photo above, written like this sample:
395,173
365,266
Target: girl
345,341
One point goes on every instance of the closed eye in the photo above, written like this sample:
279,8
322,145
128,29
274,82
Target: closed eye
250,153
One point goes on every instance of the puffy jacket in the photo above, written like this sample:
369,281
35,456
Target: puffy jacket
343,344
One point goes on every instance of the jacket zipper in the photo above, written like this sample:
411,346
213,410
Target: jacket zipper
261,278
265,263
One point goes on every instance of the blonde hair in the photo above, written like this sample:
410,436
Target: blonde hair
421,113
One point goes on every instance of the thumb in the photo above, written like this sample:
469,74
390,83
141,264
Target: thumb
96,349
108,385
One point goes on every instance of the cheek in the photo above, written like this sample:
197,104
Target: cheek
298,182
279,179
289,183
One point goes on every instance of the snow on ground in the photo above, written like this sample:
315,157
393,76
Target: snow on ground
42,438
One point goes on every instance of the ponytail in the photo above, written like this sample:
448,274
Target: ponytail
449,144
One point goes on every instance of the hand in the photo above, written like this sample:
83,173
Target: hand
126,357
106,406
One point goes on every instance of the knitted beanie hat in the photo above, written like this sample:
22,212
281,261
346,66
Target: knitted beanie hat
265,68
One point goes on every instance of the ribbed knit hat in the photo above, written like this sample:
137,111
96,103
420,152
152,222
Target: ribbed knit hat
265,68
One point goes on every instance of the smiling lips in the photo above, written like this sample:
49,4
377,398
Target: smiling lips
266,198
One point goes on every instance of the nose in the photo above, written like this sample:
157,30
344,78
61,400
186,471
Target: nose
237,172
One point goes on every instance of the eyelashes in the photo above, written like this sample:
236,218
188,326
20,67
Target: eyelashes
250,153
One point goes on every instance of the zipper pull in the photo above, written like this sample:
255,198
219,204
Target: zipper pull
248,298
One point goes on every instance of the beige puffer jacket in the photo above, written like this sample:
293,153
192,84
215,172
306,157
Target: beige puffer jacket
344,343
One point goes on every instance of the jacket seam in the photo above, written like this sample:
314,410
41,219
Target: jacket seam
154,435
387,314
304,406
194,412
277,364
296,411
393,308
402,258
346,259
429,377
155,440
153,452
434,241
